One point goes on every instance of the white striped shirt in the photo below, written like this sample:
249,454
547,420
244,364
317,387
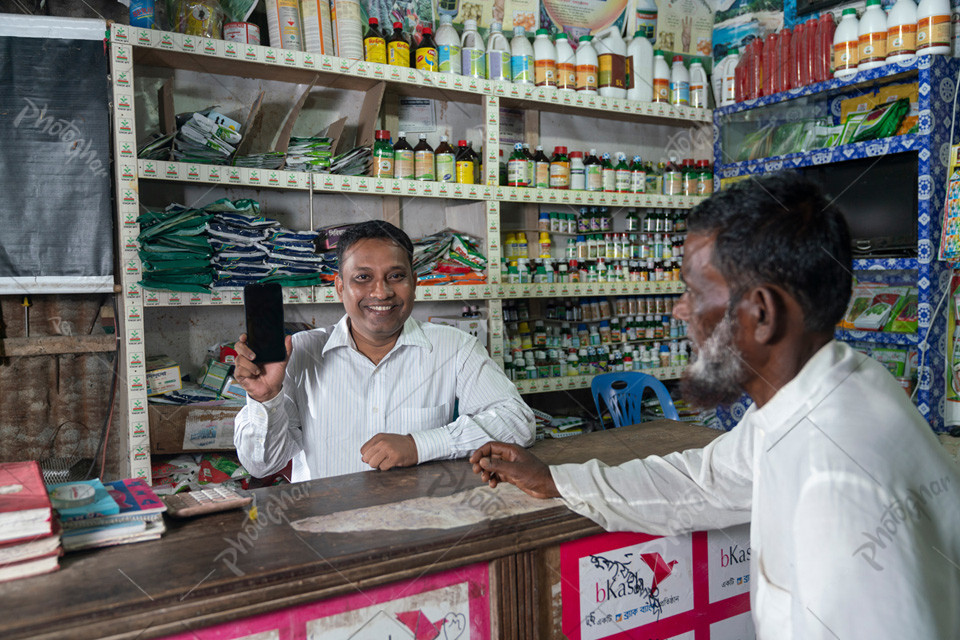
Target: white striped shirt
334,399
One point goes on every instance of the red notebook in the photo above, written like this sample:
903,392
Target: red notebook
24,505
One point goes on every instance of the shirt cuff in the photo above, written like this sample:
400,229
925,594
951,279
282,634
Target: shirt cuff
432,444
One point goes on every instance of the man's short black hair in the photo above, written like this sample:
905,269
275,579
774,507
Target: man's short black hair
780,229
379,229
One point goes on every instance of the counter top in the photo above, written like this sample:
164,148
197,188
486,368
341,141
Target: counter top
223,566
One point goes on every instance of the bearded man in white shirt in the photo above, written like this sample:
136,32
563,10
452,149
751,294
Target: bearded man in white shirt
378,389
853,503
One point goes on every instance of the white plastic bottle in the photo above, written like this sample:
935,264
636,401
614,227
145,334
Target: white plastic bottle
586,67
646,13
640,67
544,60
612,61
498,54
448,46
566,64
872,37
661,78
719,73
846,43
902,31
680,82
933,27
698,85
521,57
472,51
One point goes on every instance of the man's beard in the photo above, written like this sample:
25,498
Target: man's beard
717,373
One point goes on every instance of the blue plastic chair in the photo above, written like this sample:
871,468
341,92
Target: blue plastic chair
622,393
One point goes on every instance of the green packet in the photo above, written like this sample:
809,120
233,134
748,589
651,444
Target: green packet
882,122
905,321
850,127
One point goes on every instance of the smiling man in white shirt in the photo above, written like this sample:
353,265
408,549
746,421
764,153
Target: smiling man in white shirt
854,506
378,389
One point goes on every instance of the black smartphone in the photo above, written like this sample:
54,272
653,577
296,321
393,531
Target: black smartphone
264,308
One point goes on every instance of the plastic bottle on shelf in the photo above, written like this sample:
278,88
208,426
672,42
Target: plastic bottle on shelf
374,44
403,165
521,57
423,164
382,165
398,48
846,42
679,82
544,60
578,174
445,159
586,66
872,35
531,170
609,174
472,52
426,55
466,163
638,176
541,169
810,62
661,78
902,31
698,85
594,172
933,27
566,64
448,46
672,179
498,54
622,176
611,60
823,63
769,74
784,77
640,68
716,79
517,168
560,169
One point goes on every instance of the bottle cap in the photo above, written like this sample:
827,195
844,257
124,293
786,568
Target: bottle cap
470,23
427,31
678,58
849,12
543,32
519,31
373,22
576,154
586,38
382,134
401,134
461,143
561,36
398,25
561,150
496,26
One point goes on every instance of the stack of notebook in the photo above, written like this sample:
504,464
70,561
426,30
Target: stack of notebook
29,536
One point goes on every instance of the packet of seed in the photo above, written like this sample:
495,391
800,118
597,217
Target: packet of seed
850,127
882,122
860,301
906,320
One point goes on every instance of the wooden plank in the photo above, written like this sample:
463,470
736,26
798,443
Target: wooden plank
52,345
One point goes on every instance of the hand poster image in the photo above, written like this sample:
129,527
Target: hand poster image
585,16
685,27
737,22
509,13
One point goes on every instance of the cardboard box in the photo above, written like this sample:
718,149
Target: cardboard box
179,428
163,375
476,327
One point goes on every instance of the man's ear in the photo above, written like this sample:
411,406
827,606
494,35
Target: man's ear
766,312
338,285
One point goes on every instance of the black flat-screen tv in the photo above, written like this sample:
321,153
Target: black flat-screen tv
878,198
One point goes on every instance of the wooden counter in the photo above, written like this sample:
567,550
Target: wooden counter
183,582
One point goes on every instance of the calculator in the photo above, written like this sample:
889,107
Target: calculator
195,503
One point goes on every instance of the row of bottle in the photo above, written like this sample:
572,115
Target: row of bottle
878,38
603,64
591,172
612,331
819,49
595,246
589,270
588,361
423,162
594,219
592,309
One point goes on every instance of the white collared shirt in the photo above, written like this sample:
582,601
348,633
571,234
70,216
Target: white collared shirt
853,503
334,399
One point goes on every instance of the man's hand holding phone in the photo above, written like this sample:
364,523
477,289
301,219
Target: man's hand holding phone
263,381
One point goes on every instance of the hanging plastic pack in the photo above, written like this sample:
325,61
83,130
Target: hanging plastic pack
882,122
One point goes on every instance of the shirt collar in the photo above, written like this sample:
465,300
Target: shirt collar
412,335
805,390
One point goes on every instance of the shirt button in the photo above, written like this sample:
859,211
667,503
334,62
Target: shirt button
375,410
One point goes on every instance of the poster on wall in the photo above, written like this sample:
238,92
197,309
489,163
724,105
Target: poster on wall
509,13
737,22
585,16
685,27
